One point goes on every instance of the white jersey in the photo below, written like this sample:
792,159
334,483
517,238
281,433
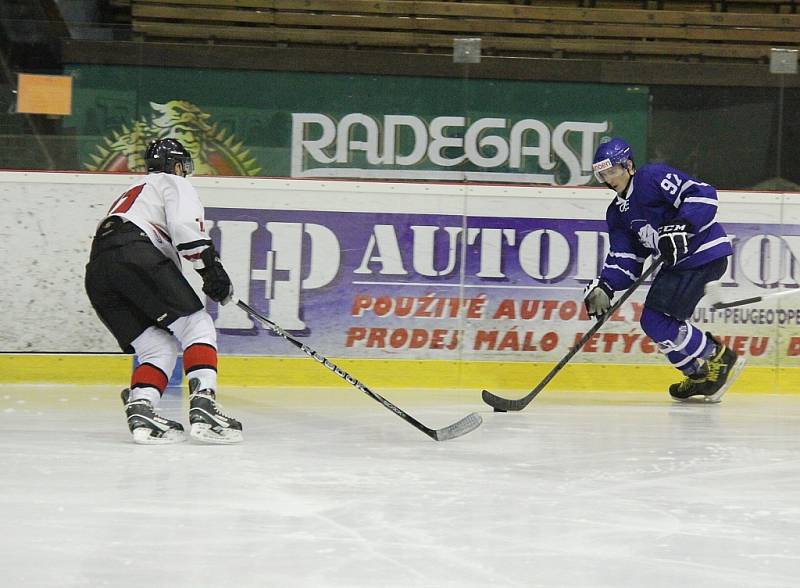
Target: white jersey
168,209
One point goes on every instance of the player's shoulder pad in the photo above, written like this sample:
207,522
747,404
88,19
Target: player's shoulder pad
653,171
179,183
649,178
661,170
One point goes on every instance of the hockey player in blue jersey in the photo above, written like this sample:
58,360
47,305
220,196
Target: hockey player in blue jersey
659,210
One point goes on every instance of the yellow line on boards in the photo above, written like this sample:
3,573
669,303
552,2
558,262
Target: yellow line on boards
395,373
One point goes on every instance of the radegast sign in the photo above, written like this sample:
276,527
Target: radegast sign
361,146
355,126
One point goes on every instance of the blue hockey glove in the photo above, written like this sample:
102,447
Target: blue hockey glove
673,241
597,297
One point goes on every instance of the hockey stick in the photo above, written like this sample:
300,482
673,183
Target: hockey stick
714,296
467,424
500,404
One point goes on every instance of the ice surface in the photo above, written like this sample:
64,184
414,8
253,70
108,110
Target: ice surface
331,489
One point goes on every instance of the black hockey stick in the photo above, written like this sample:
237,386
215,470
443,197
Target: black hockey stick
500,404
462,427
714,296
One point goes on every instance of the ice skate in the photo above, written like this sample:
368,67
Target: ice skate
147,427
723,369
693,385
716,375
208,423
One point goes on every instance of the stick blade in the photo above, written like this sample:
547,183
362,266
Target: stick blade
500,404
732,303
466,425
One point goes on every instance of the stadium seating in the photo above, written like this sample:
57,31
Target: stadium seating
725,30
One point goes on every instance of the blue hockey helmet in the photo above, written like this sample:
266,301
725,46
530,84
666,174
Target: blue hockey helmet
613,152
163,154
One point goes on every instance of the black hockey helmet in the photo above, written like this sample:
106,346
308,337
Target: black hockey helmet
163,154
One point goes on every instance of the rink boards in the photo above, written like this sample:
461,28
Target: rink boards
404,285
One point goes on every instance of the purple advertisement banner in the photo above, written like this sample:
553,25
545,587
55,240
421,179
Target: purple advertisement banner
428,286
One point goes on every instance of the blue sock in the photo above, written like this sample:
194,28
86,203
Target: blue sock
709,349
692,367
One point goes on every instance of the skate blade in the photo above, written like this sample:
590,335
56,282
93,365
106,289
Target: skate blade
737,368
203,433
143,436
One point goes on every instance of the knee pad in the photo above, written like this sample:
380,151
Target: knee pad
659,326
156,351
671,335
195,328
663,329
198,339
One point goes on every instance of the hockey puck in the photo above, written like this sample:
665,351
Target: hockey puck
500,410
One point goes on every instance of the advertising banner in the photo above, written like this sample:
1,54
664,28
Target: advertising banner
433,286
397,271
279,124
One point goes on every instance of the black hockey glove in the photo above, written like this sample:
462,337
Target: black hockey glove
673,241
216,283
597,297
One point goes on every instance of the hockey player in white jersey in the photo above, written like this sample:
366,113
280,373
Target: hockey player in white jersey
135,284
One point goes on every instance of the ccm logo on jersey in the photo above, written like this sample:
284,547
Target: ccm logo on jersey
671,228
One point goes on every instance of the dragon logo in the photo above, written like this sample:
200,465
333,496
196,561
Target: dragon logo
214,150
648,236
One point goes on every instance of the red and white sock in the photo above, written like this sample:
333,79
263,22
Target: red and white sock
148,382
200,362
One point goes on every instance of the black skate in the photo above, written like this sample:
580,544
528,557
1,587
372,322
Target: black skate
693,385
208,423
147,427
714,378
723,369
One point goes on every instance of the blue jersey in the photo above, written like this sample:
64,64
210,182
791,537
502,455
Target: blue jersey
658,195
